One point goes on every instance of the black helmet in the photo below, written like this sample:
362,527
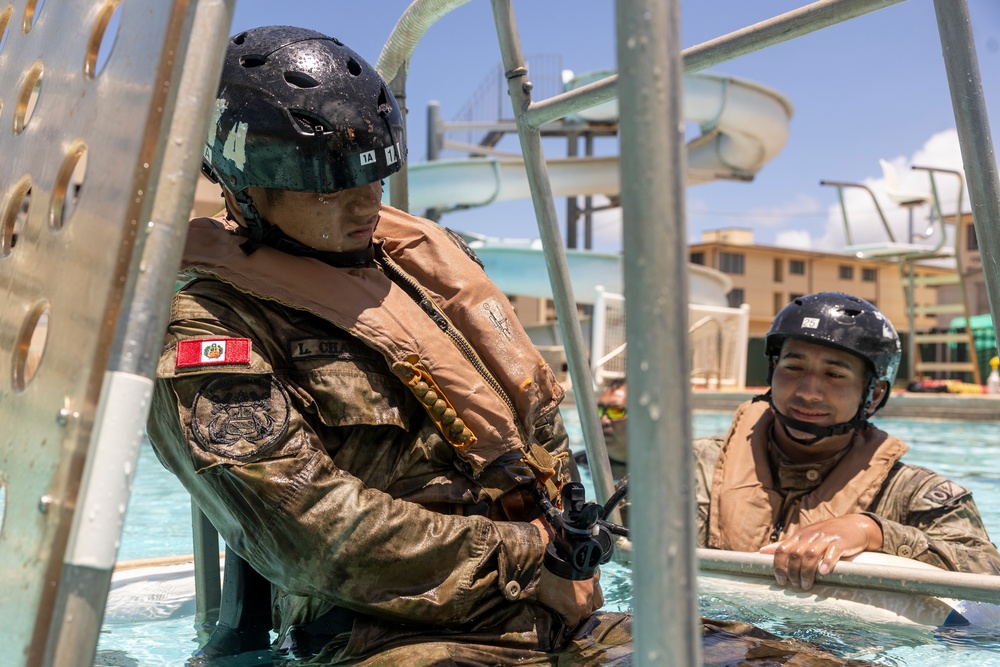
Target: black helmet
843,321
298,110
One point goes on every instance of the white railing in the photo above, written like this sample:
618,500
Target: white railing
718,340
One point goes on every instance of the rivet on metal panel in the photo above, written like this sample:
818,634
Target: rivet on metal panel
64,415
44,502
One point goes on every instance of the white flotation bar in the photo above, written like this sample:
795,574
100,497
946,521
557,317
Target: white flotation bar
872,587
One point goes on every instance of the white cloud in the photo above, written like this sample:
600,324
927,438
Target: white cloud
779,216
794,238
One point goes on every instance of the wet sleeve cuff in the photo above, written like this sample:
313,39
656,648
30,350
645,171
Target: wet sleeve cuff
520,560
899,540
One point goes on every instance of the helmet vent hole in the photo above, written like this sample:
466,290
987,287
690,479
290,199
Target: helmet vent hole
253,61
354,67
240,38
307,123
301,80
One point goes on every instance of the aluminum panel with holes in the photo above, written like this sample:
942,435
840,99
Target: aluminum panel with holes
84,103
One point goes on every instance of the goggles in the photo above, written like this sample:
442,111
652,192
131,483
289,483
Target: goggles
612,411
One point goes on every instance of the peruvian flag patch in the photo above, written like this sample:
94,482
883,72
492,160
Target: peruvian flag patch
213,352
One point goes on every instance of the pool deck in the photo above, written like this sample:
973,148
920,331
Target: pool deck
904,405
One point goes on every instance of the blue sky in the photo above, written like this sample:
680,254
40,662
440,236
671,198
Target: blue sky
869,89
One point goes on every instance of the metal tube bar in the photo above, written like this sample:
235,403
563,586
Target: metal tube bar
138,338
802,21
843,207
399,183
781,28
974,138
434,134
911,320
661,466
918,581
519,89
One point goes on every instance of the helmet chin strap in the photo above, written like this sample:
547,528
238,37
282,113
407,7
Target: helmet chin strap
859,421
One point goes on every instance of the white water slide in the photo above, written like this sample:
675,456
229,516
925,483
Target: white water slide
743,126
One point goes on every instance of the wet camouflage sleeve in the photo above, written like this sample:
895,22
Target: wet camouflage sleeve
309,488
931,519
706,452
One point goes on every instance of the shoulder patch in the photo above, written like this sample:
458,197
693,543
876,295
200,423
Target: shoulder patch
240,416
196,352
945,493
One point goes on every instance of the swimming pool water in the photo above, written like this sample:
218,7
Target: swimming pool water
158,524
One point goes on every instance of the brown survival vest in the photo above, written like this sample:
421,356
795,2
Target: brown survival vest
461,351
745,504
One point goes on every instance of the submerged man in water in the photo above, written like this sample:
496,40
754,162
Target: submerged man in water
348,397
803,475
612,411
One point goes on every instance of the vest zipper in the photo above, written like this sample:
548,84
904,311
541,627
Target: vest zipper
441,320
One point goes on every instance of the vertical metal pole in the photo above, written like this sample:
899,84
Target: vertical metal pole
666,621
207,583
974,138
911,336
588,203
572,208
399,185
519,89
433,130
434,141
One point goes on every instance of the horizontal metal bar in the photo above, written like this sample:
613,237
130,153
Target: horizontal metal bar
947,279
781,28
479,126
939,309
941,338
917,581
944,366
802,21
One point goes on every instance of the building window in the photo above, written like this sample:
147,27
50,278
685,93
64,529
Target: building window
868,275
779,302
778,270
846,272
735,297
731,262
971,243
793,297
698,258
797,267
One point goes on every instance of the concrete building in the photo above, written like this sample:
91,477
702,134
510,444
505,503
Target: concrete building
769,277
